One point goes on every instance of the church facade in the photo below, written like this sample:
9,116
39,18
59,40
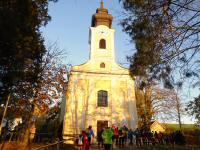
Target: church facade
100,92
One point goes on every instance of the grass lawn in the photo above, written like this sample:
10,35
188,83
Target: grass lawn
185,127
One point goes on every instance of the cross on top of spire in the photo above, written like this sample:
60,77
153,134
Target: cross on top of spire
102,4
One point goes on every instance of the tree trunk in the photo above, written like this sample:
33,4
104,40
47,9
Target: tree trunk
26,137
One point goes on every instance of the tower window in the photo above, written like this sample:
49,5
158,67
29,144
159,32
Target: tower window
102,98
102,44
102,65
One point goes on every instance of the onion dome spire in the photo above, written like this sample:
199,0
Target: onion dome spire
102,17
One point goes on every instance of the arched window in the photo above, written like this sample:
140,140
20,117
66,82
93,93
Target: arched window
102,98
102,44
102,65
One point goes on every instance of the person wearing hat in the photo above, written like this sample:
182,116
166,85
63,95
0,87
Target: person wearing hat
107,138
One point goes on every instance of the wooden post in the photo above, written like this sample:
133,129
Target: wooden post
58,145
4,113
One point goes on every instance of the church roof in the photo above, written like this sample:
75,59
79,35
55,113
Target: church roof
102,17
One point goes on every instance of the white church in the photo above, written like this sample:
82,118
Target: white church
100,92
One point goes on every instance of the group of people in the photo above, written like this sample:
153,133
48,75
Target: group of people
85,138
120,136
146,137
123,136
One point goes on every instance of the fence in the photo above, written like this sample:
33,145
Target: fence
54,146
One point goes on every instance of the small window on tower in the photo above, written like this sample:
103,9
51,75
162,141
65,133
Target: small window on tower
102,65
102,44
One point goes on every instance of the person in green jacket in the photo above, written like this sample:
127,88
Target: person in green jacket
107,138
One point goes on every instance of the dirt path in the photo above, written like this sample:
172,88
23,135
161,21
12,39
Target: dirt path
114,147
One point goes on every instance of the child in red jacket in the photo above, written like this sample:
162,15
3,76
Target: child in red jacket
86,143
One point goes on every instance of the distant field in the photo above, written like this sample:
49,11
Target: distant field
185,127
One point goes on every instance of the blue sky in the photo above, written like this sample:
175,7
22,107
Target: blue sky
69,27
70,24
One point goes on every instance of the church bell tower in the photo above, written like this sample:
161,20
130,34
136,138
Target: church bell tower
102,36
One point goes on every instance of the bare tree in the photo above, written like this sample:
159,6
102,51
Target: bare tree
155,102
54,79
167,105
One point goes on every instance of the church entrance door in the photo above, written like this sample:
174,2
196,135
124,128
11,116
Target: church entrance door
101,124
